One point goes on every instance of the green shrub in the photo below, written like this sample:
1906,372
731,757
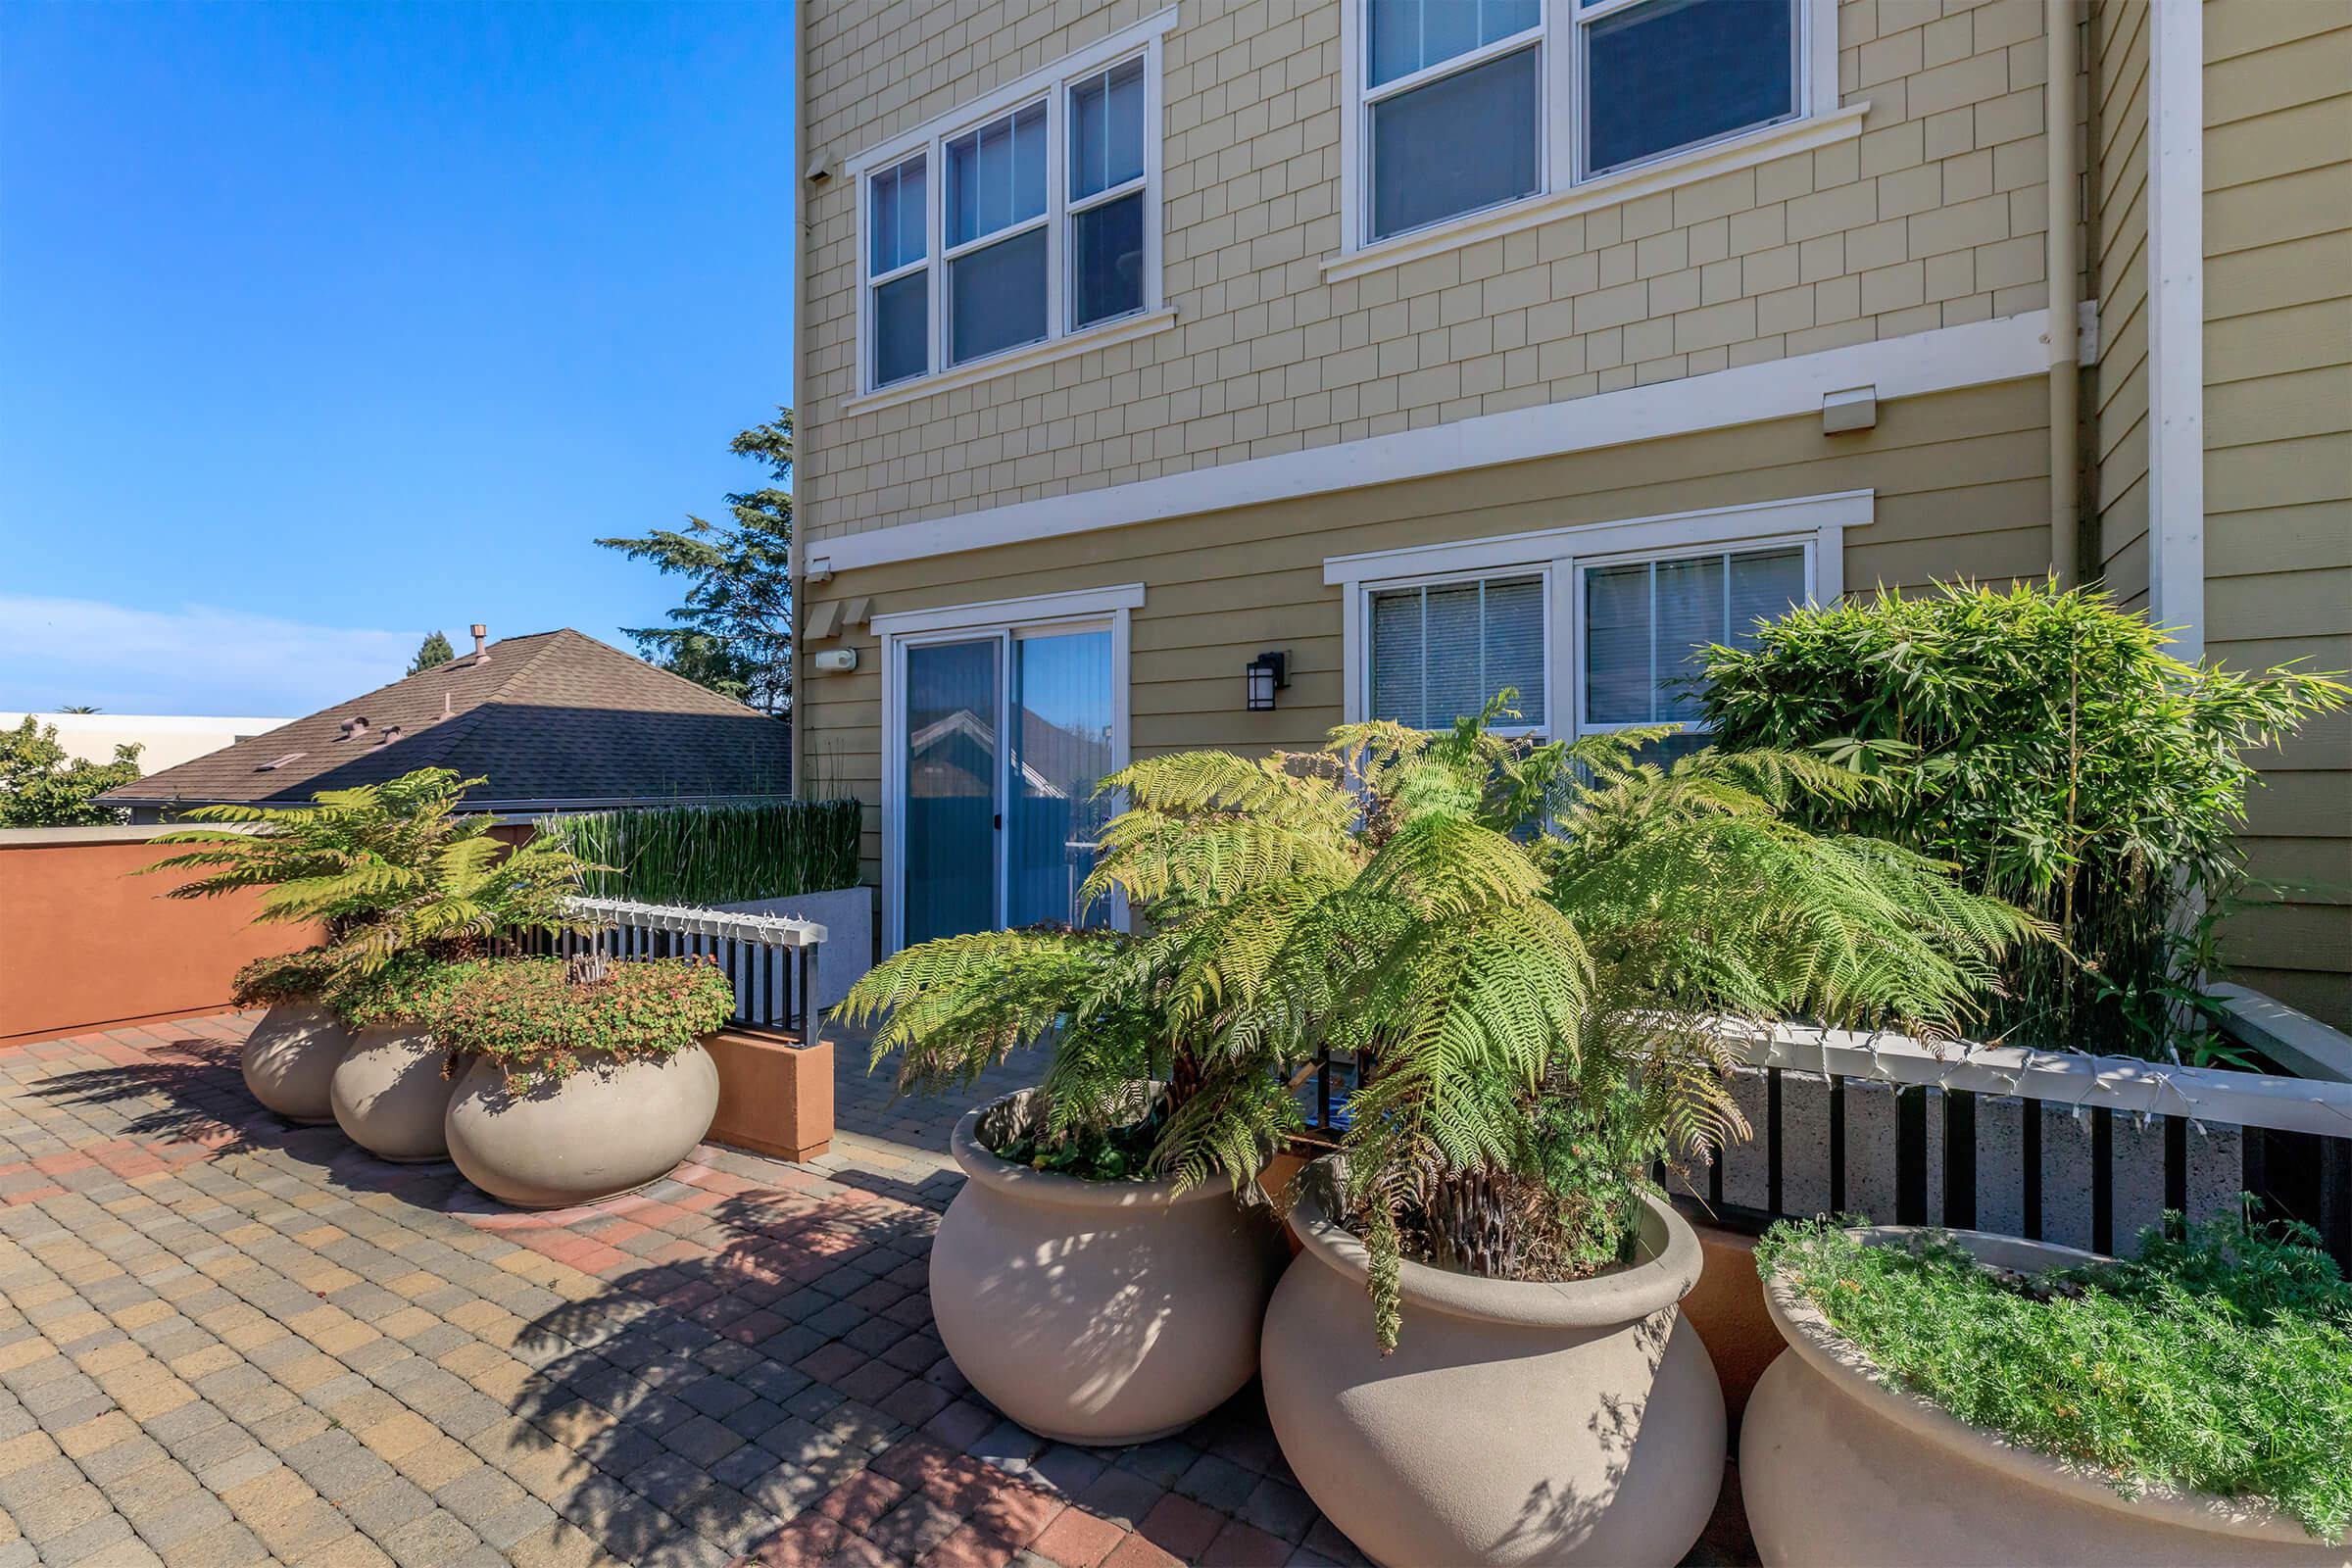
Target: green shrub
2218,1362
531,1018
2047,744
702,855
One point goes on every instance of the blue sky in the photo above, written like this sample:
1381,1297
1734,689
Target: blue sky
323,325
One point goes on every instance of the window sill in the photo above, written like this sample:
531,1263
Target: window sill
1126,329
1705,163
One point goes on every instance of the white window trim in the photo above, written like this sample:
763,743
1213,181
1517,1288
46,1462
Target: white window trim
1050,84
1111,606
1820,121
1818,523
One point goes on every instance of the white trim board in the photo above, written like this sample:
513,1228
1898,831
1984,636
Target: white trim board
1833,512
2177,324
2005,349
1002,611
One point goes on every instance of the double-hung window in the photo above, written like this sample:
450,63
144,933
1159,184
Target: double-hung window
1442,649
1029,218
1464,105
1596,625
1647,625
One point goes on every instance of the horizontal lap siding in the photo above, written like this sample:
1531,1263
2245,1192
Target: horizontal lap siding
1961,480
2279,450
1933,216
2118,402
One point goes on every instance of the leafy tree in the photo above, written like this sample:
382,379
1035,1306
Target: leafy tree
40,786
734,632
390,868
1551,952
431,654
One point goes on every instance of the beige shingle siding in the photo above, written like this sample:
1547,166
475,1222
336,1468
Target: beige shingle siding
2278,446
1932,217
2115,404
1961,479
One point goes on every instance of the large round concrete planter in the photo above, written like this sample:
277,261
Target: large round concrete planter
1098,1312
1517,1422
1836,1469
606,1128
291,1058
390,1096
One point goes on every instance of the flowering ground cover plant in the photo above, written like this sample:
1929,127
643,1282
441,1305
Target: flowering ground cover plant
535,1019
2220,1360
411,989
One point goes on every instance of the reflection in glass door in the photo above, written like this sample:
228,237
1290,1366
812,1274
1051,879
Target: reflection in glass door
1003,738
953,695
1061,736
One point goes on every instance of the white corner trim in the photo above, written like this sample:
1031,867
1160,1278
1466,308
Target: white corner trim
1003,611
1126,329
1762,146
2177,324
1078,61
2005,349
1835,512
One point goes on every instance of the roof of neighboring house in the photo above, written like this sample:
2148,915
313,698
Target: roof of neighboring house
548,720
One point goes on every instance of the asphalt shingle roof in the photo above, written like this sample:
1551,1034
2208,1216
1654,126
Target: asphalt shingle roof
552,716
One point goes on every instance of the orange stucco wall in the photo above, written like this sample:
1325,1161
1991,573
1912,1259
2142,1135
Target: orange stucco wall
86,943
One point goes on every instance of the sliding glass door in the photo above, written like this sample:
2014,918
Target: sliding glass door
1004,737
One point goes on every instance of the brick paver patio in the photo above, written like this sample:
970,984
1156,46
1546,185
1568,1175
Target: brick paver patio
227,1340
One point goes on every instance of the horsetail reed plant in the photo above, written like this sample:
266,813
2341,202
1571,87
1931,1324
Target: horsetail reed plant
700,855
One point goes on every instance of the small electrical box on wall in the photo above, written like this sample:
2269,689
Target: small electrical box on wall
835,660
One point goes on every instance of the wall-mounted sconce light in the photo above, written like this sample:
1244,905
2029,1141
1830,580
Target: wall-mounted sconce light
1267,674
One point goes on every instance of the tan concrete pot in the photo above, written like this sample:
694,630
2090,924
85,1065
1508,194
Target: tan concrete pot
290,1059
1098,1312
390,1096
1517,1422
608,1128
1836,1469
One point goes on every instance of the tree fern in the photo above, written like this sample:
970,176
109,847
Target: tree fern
388,869
1550,950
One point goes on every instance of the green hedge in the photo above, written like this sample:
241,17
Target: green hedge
702,854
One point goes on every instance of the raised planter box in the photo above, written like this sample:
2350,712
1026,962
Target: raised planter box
774,1097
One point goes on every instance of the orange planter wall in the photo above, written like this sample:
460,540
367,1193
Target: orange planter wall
85,943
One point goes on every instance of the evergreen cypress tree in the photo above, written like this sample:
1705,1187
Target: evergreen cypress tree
431,654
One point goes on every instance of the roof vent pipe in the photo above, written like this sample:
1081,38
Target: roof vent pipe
482,642
356,724
391,733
